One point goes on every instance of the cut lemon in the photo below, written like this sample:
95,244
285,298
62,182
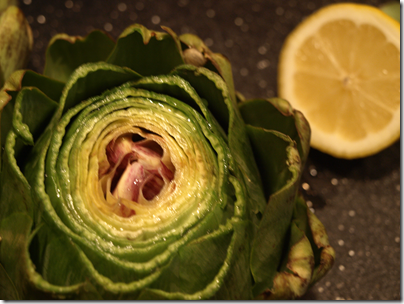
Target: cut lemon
341,68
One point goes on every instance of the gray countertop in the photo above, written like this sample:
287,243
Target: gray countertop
357,200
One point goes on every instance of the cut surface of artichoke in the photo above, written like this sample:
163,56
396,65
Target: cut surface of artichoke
186,166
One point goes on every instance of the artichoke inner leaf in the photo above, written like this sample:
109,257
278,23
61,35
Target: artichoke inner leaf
137,170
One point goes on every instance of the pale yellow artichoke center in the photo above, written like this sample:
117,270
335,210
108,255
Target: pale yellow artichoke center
142,174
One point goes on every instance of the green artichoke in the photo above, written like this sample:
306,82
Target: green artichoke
15,39
134,170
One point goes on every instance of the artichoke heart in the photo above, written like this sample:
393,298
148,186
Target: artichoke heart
144,167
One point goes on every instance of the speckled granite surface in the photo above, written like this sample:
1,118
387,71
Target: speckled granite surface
358,201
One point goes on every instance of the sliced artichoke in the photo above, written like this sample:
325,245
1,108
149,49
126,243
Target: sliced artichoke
144,176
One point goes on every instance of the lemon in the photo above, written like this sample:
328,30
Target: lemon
341,68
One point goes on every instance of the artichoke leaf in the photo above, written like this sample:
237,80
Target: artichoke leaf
308,222
50,90
52,249
209,88
66,53
277,114
196,52
214,277
16,222
193,261
26,125
92,79
45,249
13,83
14,186
13,250
276,131
27,78
281,176
293,279
16,42
7,288
222,276
239,274
214,90
146,52
309,256
6,3
320,238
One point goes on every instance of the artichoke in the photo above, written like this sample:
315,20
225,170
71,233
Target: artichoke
15,39
134,170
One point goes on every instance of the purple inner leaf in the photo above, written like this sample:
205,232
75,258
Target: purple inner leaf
137,169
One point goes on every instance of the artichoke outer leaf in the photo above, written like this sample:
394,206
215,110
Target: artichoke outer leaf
281,174
211,87
193,268
223,66
146,52
26,78
28,126
14,231
277,114
293,281
238,282
228,275
197,53
17,216
176,87
7,288
14,187
56,255
8,95
12,84
16,42
6,3
226,238
327,254
309,257
324,254
49,89
92,79
66,53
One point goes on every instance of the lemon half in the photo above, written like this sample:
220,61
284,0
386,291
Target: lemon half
341,68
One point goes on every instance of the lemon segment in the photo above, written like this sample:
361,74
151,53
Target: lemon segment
341,68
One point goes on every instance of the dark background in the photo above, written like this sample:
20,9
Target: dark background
357,200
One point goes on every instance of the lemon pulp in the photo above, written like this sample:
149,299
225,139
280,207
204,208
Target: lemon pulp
341,68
